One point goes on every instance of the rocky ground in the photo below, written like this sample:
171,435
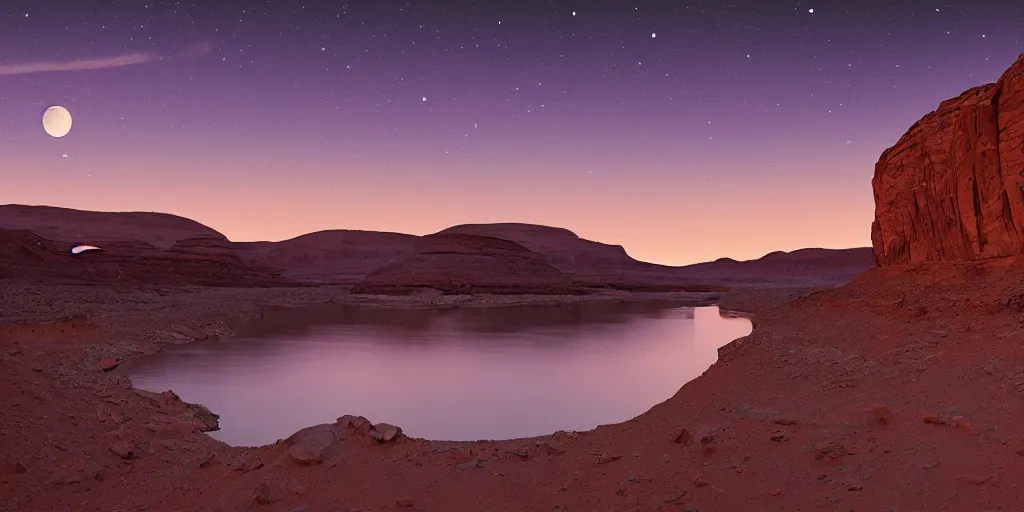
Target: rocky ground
763,298
899,391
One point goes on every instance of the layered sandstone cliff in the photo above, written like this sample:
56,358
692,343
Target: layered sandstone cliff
952,188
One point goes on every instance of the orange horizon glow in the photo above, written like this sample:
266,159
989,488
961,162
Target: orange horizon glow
724,202
652,226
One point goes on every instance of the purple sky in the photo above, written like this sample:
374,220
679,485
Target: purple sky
738,129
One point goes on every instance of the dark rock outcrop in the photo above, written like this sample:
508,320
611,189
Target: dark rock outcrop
337,256
562,248
160,230
511,258
597,265
952,188
460,263
802,267
25,255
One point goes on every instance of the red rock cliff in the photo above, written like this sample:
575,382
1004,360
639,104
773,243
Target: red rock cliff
952,188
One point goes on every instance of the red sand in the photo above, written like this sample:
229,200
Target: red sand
898,391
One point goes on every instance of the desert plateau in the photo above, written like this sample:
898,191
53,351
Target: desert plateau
537,264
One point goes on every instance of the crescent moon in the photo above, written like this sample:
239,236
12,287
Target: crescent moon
57,121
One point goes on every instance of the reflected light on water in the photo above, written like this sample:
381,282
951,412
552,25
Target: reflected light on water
461,374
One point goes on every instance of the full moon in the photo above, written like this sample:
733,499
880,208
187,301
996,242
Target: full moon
57,121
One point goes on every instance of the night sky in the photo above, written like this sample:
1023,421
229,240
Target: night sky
685,130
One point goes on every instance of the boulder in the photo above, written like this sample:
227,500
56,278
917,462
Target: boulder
385,432
202,418
358,423
191,332
122,449
309,444
108,364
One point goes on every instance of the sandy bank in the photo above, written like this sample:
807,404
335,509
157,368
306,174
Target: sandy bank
831,400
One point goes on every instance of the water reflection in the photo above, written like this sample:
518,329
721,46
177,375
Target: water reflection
468,373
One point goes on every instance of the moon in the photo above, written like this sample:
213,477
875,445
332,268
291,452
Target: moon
57,121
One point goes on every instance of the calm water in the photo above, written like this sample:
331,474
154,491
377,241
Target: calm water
457,374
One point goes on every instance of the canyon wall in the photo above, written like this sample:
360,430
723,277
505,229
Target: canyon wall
952,188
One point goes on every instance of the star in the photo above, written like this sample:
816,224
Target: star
810,11
653,35
424,98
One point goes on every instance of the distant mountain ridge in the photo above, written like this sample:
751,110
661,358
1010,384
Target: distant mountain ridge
468,258
69,225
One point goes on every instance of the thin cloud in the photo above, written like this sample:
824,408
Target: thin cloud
118,61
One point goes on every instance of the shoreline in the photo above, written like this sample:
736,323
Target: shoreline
231,318
274,318
181,314
91,324
128,338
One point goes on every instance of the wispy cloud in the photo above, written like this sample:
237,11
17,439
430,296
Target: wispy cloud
117,61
